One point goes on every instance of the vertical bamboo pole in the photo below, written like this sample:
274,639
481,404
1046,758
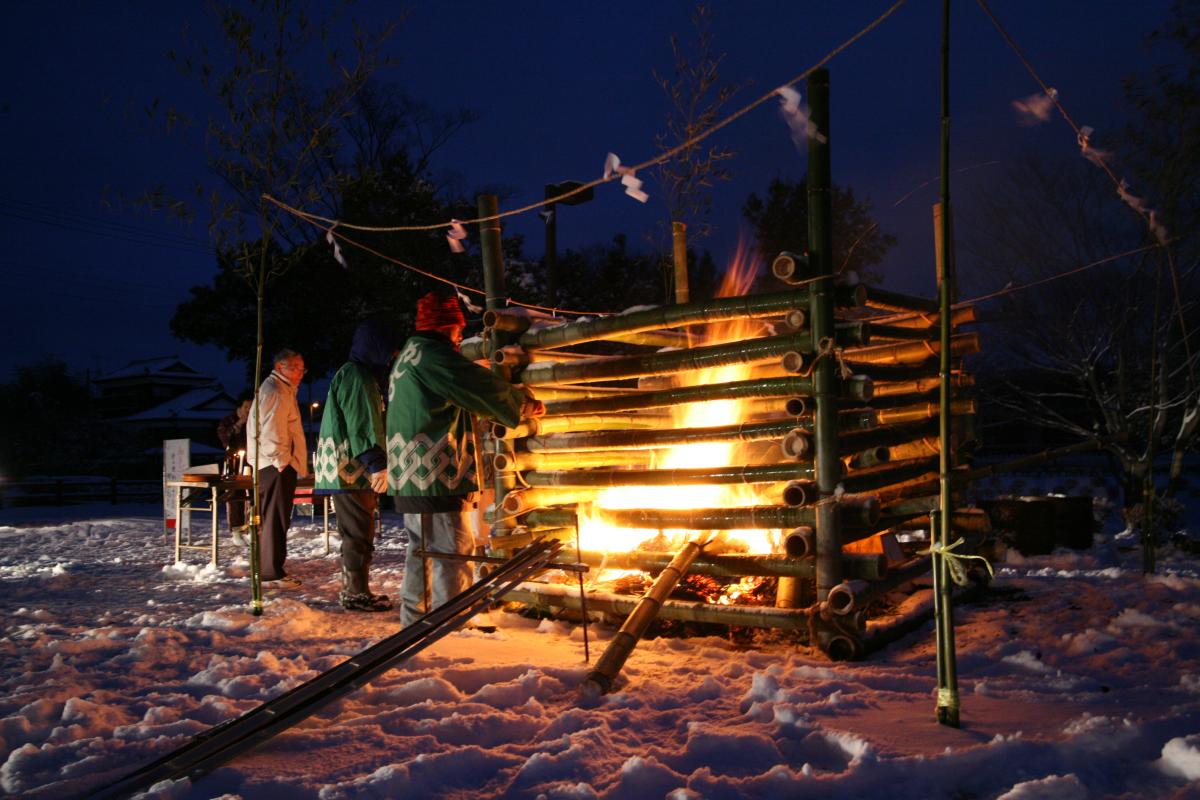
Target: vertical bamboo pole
947,708
820,246
493,287
679,248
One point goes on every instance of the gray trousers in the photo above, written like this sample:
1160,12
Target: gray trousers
451,532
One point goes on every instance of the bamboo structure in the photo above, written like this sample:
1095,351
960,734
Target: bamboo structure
822,431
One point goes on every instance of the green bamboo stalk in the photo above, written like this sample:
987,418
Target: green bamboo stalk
695,358
859,388
621,646
961,315
637,439
561,423
912,352
743,518
546,597
869,566
821,319
731,474
894,301
721,309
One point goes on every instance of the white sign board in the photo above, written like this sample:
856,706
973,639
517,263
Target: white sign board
177,457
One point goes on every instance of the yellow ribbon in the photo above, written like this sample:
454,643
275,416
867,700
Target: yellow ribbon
958,573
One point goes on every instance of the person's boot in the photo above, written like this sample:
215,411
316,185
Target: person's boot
355,596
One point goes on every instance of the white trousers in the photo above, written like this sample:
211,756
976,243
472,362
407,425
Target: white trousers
450,532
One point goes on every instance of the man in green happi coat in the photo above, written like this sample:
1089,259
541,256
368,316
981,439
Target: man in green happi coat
433,391
350,463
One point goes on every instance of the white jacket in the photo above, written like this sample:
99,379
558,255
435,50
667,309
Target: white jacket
282,434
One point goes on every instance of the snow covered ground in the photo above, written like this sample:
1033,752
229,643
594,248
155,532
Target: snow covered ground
1079,678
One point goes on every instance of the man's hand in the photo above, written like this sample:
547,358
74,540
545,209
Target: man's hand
379,481
532,407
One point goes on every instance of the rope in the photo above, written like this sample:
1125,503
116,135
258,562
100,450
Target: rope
654,160
958,572
1100,162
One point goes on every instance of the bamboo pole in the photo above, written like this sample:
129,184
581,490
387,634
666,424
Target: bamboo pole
546,597
889,475
947,706
548,393
561,423
867,566
493,285
960,315
925,385
894,301
821,319
522,501
696,358
637,439
737,518
913,352
679,253
619,649
858,388
854,440
671,477
574,460
921,411
722,309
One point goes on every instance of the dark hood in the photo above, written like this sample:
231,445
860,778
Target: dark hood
374,343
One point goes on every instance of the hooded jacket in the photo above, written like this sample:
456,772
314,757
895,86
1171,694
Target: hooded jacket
350,445
432,393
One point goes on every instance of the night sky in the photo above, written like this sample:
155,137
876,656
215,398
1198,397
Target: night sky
89,279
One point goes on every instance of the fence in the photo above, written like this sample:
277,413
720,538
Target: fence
68,491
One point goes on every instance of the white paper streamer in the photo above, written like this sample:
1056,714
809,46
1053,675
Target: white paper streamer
1036,108
466,301
455,236
337,250
632,184
547,215
1139,205
1093,155
796,116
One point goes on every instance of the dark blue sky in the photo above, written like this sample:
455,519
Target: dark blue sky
557,85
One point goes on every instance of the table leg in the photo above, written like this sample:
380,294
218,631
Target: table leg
214,526
178,519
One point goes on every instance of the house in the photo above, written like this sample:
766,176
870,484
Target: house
164,398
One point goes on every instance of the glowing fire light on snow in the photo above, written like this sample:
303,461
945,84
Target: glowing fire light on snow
597,534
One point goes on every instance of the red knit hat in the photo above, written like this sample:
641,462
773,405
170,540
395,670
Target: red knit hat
436,311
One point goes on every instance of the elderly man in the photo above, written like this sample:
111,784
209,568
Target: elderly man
275,446
432,393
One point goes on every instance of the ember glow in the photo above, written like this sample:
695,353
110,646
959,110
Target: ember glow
598,534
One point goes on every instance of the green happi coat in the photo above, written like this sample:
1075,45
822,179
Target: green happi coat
351,429
432,393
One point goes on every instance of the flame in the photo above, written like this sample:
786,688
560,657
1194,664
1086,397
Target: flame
597,534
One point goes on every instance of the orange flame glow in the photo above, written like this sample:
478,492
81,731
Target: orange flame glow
597,534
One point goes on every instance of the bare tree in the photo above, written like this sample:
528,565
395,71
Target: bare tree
696,94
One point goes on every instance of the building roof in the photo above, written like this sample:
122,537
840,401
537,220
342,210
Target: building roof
162,367
207,403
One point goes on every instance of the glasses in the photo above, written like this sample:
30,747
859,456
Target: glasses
293,367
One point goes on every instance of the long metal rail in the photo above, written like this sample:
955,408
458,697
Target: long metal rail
217,745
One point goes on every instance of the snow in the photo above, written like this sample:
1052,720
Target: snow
1079,678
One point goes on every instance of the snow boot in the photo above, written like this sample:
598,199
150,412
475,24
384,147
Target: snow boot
355,596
